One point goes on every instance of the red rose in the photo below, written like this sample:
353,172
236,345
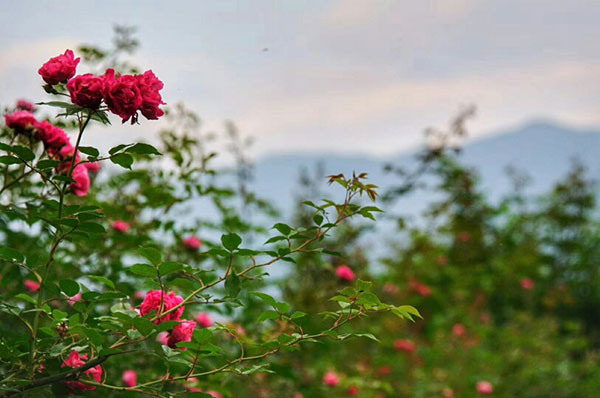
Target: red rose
76,361
153,300
54,138
86,90
81,185
25,105
182,332
150,86
59,69
20,120
122,95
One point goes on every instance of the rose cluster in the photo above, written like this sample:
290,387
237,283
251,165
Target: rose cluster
57,145
124,95
161,303
75,360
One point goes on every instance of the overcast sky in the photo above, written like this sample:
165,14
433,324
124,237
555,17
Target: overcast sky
355,76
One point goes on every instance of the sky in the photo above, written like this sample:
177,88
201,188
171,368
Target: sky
354,76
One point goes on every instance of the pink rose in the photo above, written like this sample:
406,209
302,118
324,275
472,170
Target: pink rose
182,332
527,283
93,167
163,338
32,286
331,379
130,378
391,289
121,226
459,330
153,300
59,69
76,361
485,387
204,320
192,243
420,288
81,185
345,273
20,121
122,95
86,90
54,138
25,105
150,86
405,345
75,299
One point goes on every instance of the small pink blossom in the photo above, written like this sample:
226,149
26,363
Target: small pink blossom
32,286
192,243
121,226
163,338
191,387
204,320
75,360
345,273
353,391
485,387
75,299
81,186
527,283
391,289
130,378
459,330
331,379
405,345
93,167
420,288
25,105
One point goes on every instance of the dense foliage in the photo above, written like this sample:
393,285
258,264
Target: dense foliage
148,271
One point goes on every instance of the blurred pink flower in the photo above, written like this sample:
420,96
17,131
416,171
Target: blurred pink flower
331,379
204,320
32,286
459,330
192,243
527,283
121,226
405,345
130,378
485,387
345,273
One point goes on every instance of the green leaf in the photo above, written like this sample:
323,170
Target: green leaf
118,148
143,270
95,337
150,254
269,314
169,266
233,285
283,228
143,149
284,308
47,164
102,279
90,150
92,227
231,241
298,314
70,287
23,152
265,297
363,285
9,160
61,104
122,159
11,254
202,335
25,297
59,315
318,219
144,326
410,309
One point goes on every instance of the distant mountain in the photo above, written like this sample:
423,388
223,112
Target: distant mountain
542,150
